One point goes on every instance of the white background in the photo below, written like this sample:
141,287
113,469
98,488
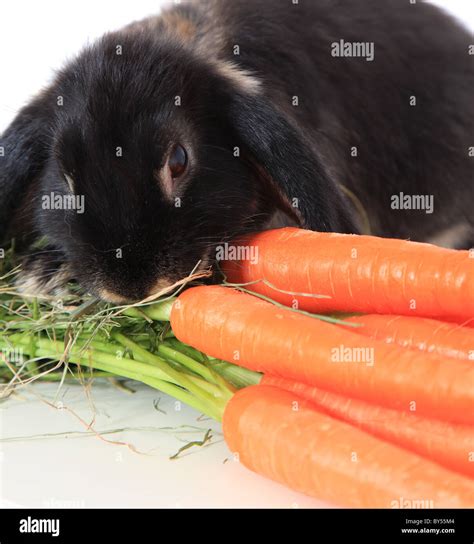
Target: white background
75,469
49,459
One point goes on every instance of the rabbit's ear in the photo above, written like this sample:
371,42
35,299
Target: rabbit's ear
290,162
24,149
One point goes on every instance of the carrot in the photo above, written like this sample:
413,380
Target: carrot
448,444
360,274
469,323
283,437
242,329
430,335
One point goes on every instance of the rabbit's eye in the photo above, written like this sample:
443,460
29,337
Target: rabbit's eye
69,181
178,161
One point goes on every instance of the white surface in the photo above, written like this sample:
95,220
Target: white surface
81,470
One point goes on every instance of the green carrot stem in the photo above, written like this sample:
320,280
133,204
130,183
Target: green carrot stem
212,409
211,378
173,375
13,318
239,376
56,350
144,372
184,348
109,353
160,311
29,324
111,347
136,312
58,376
108,345
170,353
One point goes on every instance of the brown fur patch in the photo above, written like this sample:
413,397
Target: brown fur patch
108,296
178,25
160,285
164,180
241,79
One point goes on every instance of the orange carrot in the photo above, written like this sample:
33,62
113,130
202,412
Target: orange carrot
430,335
448,444
462,323
283,437
250,332
468,323
362,274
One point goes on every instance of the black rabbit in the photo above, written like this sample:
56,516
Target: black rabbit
218,117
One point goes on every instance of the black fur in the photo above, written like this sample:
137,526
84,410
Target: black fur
291,155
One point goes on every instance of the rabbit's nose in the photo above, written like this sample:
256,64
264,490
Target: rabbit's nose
135,293
160,287
115,298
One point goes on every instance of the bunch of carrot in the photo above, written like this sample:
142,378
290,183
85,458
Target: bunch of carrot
325,420
373,410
